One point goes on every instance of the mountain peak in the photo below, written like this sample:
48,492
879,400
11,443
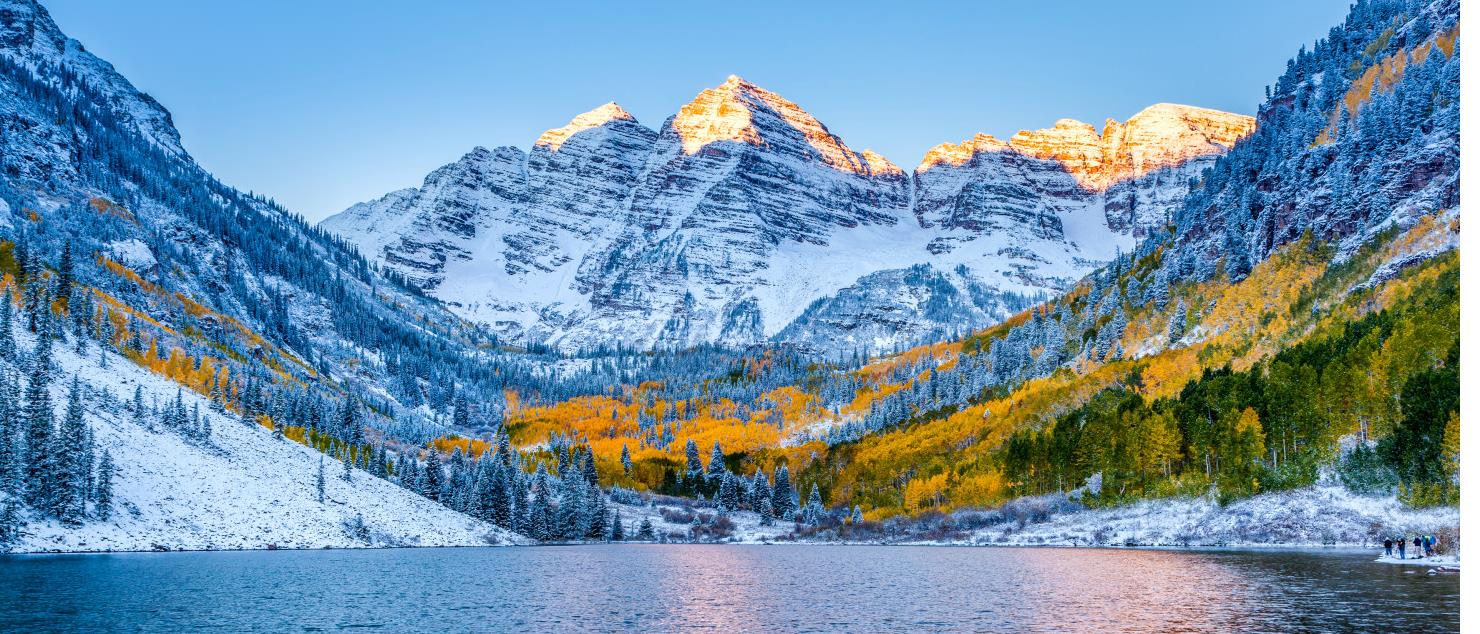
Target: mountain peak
742,112
1159,136
596,117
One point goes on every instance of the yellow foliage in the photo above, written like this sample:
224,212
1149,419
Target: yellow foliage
469,446
921,494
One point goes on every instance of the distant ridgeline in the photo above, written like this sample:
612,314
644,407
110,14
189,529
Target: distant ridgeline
1299,312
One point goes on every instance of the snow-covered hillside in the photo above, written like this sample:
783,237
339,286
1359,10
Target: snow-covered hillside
240,489
743,219
1314,516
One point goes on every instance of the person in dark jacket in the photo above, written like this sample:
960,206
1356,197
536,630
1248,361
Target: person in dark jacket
1402,546
1417,544
1387,548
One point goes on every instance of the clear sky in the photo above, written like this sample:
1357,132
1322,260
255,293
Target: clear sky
324,103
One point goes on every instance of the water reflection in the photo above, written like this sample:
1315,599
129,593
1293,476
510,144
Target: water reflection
726,588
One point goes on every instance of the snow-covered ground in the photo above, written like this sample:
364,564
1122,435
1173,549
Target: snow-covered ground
1315,516
1444,561
243,490
666,515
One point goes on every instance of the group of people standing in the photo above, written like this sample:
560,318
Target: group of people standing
1424,544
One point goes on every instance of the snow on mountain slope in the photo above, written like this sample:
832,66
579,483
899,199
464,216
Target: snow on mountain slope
743,210
243,490
28,36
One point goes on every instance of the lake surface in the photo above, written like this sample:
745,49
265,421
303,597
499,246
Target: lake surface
661,588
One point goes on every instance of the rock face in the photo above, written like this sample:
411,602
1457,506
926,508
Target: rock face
30,39
744,219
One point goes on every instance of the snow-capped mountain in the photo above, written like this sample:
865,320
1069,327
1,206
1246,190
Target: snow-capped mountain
149,274
744,219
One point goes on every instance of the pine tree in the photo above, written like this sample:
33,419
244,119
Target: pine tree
432,484
10,522
768,517
716,466
540,520
351,429
626,461
782,495
136,407
504,496
103,493
345,458
693,474
1177,323
7,325
857,517
318,482
596,514
726,499
40,462
73,465
588,467
65,276
645,531
11,456
617,532
760,491
814,511
460,417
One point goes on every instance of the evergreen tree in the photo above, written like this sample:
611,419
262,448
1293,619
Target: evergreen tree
460,416
40,461
782,495
1177,323
626,461
693,475
65,276
768,517
540,520
431,485
760,491
73,464
318,482
645,531
814,512
351,429
617,532
588,467
11,521
103,493
11,456
728,498
596,514
344,458
504,493
7,326
716,466
137,409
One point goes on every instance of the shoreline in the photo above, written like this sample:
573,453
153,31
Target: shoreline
1436,560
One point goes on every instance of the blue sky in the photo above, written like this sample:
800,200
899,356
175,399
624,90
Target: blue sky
323,103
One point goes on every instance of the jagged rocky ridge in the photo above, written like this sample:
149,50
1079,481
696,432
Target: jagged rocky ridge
105,219
743,219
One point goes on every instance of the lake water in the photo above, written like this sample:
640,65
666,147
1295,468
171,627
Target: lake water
659,588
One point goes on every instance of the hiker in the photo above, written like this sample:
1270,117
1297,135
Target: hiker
1428,545
1387,547
1417,544
1402,547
